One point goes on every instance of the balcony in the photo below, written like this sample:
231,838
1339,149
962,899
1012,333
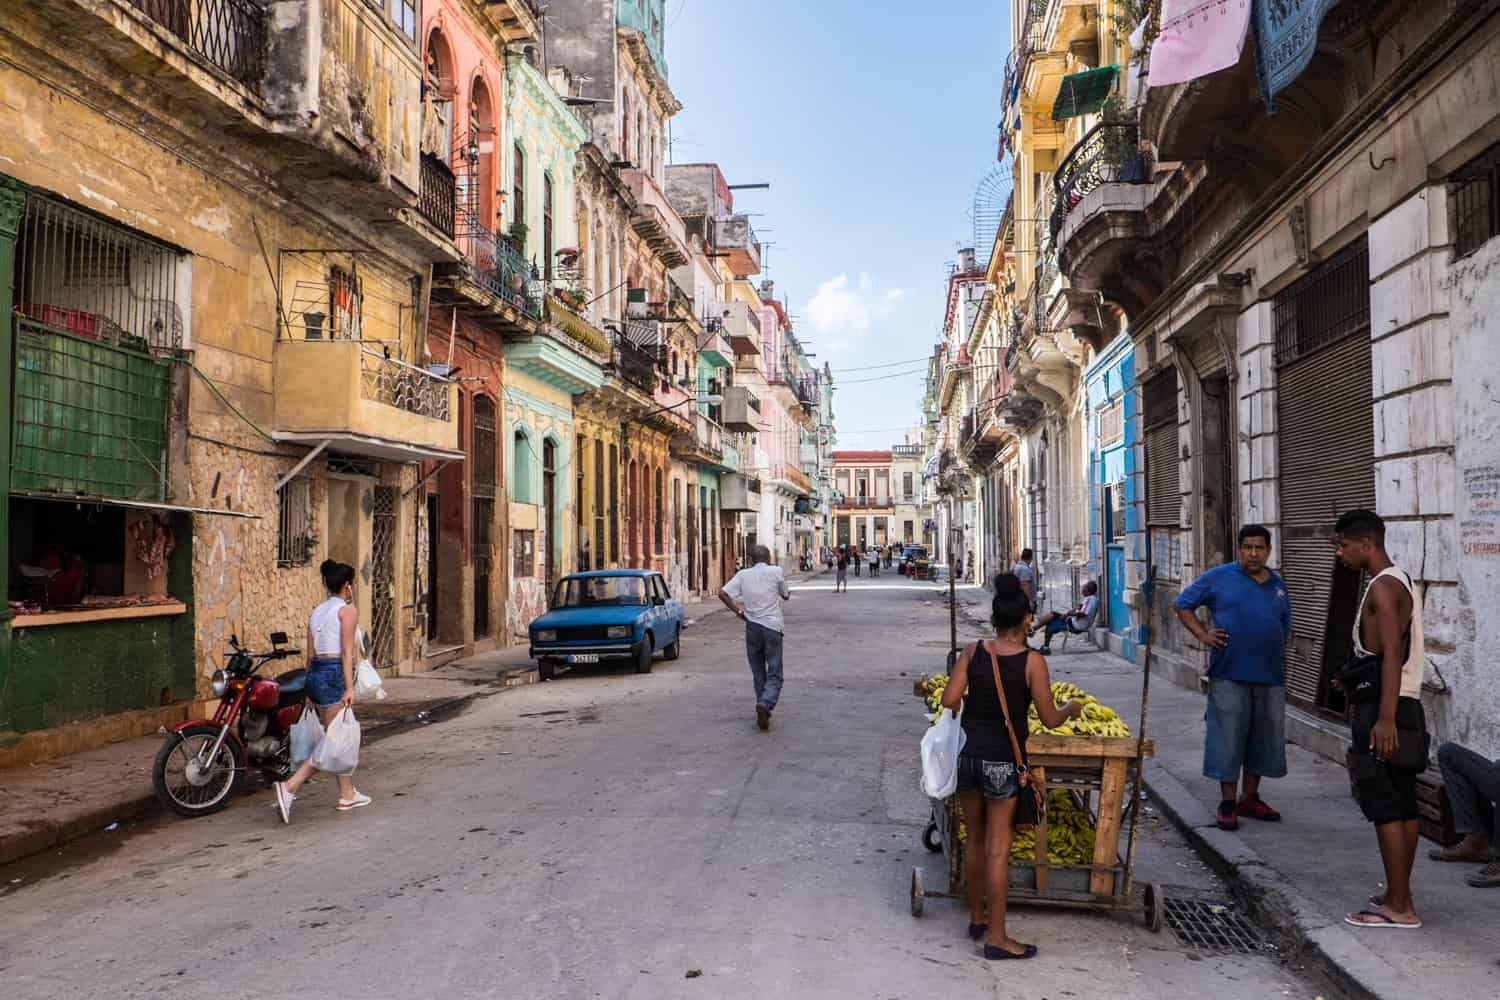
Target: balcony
742,327
437,196
362,402
655,221
703,445
739,493
492,281
741,410
864,503
713,346
734,242
230,35
513,20
906,451
568,353
729,457
1109,153
637,357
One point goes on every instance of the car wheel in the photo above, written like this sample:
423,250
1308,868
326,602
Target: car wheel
546,669
673,649
644,655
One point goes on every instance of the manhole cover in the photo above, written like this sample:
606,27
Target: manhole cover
1213,927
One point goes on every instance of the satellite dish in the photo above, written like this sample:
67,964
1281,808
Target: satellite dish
991,195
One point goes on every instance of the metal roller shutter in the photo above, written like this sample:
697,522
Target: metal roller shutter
1326,444
1163,479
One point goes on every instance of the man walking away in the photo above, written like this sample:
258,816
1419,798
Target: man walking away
1246,717
841,582
854,558
1388,626
1473,784
1025,572
755,594
875,561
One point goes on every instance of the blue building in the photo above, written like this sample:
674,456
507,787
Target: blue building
1116,541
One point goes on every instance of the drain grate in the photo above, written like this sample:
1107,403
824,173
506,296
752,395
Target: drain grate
1212,927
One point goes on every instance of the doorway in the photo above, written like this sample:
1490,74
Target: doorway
432,566
383,582
550,531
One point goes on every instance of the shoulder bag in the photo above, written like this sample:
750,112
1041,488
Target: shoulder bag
1031,804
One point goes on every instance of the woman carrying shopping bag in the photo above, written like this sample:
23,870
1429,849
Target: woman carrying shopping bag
331,647
992,773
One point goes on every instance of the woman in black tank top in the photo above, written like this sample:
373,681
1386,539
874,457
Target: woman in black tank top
987,778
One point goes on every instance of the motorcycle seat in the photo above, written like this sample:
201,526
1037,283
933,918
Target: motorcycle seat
293,686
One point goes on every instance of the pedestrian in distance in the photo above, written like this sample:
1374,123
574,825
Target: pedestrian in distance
854,558
1246,717
988,774
755,594
841,581
1079,619
330,678
1388,731
1473,785
1025,571
874,556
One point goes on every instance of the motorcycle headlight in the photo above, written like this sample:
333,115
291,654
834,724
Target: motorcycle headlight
618,632
544,635
220,683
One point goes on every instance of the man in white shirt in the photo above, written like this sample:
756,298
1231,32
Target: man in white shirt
755,594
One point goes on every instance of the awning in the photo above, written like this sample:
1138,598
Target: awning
931,468
371,447
175,508
1084,93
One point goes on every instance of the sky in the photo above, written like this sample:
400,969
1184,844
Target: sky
873,122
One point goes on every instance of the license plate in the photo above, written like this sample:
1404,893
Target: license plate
584,658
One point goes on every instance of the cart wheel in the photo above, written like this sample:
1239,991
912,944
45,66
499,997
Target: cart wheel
930,838
916,892
1155,907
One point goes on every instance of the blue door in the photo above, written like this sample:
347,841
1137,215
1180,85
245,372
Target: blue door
1119,613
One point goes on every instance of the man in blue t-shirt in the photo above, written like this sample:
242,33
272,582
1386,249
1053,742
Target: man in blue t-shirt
1246,718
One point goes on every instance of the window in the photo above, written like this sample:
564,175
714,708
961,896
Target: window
625,128
599,551
295,541
344,306
1474,201
907,528
523,565
660,535
1112,424
677,514
906,491
482,447
578,494
520,477
518,188
404,14
614,501
602,592
547,224
1329,303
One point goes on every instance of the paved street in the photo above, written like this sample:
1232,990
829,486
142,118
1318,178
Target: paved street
603,835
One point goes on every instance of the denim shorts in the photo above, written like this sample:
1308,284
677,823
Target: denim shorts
325,681
1246,729
993,779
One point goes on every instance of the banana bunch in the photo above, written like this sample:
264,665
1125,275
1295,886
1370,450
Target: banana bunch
933,687
1070,834
1098,719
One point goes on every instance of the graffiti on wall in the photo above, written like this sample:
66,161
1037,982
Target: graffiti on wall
1479,528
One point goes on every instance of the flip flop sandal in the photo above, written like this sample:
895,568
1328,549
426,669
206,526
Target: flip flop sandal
1001,955
1381,921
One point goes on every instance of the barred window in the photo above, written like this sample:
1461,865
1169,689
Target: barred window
1329,303
295,541
1474,202
345,308
524,551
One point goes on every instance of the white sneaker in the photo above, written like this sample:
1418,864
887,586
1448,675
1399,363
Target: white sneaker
284,800
360,799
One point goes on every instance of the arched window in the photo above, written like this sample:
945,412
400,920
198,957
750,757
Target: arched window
481,142
521,487
547,224
659,540
640,139
625,127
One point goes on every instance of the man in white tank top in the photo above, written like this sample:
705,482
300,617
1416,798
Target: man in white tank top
1391,727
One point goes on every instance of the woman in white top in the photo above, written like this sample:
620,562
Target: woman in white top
331,645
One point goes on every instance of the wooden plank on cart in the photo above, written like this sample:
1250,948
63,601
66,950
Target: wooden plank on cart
1107,830
1060,747
1043,874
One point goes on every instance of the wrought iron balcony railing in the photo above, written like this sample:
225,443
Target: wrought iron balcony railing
637,363
494,262
437,195
230,34
406,387
1108,153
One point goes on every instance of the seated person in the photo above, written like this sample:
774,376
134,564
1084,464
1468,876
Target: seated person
66,586
1079,619
1473,785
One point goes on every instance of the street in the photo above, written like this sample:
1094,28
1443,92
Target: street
605,835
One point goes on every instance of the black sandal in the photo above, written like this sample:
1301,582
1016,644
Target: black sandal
996,954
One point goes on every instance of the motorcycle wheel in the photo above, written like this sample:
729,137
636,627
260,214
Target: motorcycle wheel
183,788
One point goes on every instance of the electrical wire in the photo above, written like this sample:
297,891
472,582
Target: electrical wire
889,364
883,378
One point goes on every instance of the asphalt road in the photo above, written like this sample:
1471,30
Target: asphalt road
604,835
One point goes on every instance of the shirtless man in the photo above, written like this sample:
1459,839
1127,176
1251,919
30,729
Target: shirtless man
1389,625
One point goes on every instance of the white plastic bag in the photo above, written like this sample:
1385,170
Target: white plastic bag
367,681
305,735
940,748
339,751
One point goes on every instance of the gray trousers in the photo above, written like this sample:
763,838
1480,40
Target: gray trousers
1473,784
763,647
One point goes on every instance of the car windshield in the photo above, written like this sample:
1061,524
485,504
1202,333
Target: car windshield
601,592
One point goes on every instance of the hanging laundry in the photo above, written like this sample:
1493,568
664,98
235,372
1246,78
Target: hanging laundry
1197,37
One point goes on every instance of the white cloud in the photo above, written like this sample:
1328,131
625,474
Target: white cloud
842,312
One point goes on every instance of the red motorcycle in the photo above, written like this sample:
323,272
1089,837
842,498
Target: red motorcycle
201,762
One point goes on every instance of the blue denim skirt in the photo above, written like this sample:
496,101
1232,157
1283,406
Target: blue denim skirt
325,681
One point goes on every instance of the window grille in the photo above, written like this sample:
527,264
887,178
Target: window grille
82,274
523,566
295,541
1328,304
345,465
345,306
1159,398
482,447
1474,201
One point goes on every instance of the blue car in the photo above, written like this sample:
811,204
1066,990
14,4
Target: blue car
618,614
